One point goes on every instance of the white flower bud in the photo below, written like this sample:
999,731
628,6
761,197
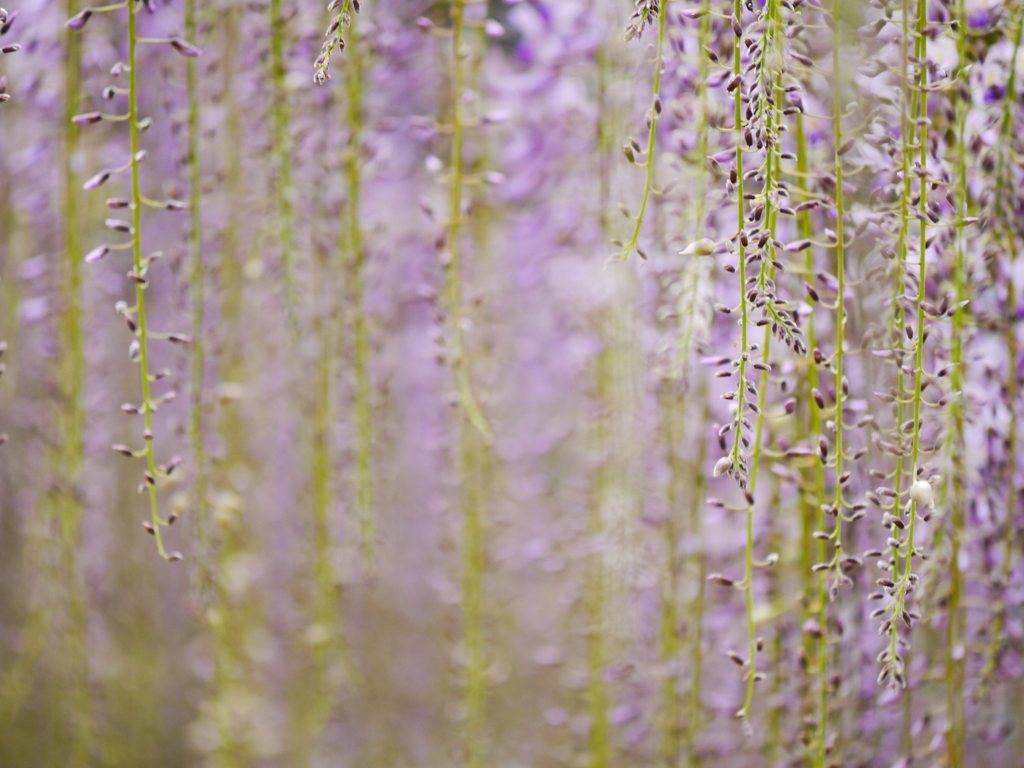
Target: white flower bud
921,493
723,465
703,247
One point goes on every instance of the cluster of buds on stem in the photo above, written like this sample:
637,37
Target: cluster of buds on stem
6,21
138,274
335,37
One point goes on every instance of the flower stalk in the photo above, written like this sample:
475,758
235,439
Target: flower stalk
658,8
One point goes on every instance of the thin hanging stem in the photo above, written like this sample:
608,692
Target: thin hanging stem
140,288
363,407
198,275
652,131
74,414
283,163
955,626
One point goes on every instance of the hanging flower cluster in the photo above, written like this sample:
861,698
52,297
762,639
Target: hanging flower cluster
470,469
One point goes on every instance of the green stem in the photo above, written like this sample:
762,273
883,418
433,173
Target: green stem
600,749
474,556
454,267
652,129
695,708
922,110
195,245
595,598
744,712
814,500
314,699
74,427
472,428
283,162
363,407
140,294
837,533
955,627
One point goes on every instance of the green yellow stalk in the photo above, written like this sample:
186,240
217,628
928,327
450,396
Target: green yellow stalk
955,627
282,163
922,110
652,128
140,288
357,263
473,433
73,376
839,358
594,601
198,275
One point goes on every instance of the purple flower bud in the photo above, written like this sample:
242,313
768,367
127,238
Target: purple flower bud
96,254
118,225
5,26
79,19
184,48
97,180
87,118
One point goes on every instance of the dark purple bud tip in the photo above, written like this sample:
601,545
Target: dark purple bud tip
87,118
79,19
97,180
184,48
10,48
124,450
174,557
96,254
179,338
5,25
118,225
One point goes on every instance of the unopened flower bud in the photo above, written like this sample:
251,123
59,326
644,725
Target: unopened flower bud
184,48
921,494
79,19
703,247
